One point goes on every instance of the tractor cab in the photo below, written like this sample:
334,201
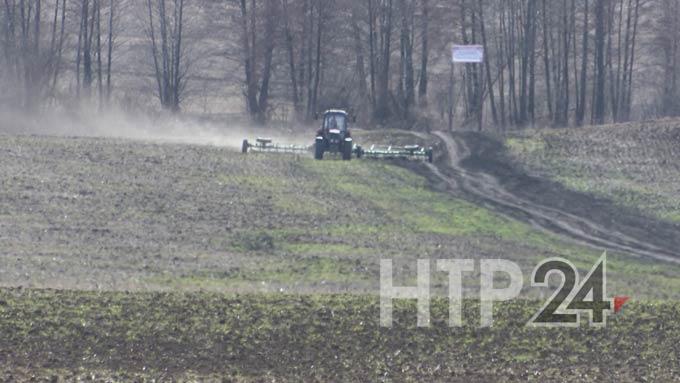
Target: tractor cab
334,135
335,121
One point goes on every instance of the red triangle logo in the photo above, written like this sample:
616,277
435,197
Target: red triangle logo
619,302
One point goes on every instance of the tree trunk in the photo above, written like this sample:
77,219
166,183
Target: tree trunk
423,82
629,93
407,86
168,63
487,64
546,62
317,64
291,57
360,60
263,99
599,94
382,111
371,47
564,118
99,55
580,110
109,56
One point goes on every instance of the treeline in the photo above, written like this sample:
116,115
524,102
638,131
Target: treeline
549,63
36,45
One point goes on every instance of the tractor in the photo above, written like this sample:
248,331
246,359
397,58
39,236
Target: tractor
334,135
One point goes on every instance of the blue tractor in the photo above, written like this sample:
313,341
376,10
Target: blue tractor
334,135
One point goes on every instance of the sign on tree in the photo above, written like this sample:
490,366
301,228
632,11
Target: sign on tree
468,54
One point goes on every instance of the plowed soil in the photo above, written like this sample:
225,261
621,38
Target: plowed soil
125,260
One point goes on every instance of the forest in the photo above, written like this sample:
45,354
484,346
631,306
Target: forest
563,63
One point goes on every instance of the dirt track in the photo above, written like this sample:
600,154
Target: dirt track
482,174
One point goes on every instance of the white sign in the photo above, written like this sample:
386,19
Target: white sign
468,54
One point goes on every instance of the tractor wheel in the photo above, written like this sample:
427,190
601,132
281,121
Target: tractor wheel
360,152
430,156
318,150
347,151
244,147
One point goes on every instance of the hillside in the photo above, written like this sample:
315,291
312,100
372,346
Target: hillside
125,215
635,165
127,259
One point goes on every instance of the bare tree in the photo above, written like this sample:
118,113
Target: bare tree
581,103
32,54
311,54
360,57
110,45
487,64
406,75
424,53
291,56
167,50
600,75
257,77
88,12
385,10
315,65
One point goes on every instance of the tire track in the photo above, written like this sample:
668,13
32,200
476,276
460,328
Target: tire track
488,190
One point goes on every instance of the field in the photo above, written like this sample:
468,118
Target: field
131,260
120,336
634,165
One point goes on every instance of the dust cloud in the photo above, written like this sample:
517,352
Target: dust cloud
146,127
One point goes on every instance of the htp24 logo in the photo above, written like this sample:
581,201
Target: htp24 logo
564,308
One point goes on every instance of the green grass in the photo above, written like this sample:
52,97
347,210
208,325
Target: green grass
124,336
630,164
360,211
389,199
384,211
529,145
99,214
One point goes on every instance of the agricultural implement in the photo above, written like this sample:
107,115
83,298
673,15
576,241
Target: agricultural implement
334,137
396,152
267,145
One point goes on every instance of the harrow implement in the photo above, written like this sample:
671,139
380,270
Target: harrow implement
386,152
334,137
267,145
396,152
